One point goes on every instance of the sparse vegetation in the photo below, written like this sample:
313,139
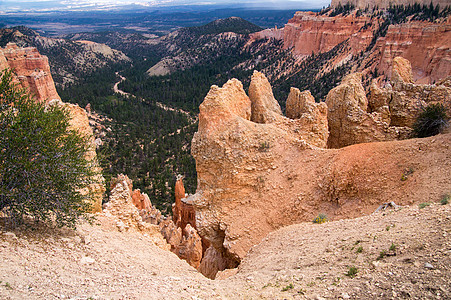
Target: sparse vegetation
445,199
352,272
321,218
423,205
359,250
407,172
288,287
431,121
392,247
381,255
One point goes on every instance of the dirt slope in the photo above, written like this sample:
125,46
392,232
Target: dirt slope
304,261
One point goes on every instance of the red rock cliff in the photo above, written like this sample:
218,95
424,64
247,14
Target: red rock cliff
32,70
386,3
426,45
308,33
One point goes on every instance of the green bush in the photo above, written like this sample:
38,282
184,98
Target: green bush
44,172
352,272
321,218
431,121
423,205
445,199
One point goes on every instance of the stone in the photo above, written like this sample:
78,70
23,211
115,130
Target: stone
310,117
428,266
190,247
406,99
402,70
86,260
141,201
32,71
308,32
121,208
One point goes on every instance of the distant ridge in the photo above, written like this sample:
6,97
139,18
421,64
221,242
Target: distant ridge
231,24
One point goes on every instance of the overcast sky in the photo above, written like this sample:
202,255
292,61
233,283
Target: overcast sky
46,5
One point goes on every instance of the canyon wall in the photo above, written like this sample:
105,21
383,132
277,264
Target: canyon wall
425,44
308,32
386,3
32,71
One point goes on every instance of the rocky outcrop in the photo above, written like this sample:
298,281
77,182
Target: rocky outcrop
311,117
190,247
349,122
406,99
134,211
254,177
31,69
388,114
264,108
141,201
382,4
308,32
424,44
121,208
234,156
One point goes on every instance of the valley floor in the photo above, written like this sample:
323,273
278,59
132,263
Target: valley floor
402,253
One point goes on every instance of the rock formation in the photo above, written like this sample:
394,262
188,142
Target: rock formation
388,114
141,201
424,44
382,4
308,33
135,211
120,207
310,117
256,177
32,71
349,122
264,108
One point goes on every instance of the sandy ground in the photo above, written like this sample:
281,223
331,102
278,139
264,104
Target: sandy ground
303,261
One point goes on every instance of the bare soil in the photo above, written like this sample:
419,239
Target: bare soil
399,254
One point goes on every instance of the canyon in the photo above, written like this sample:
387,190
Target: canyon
260,171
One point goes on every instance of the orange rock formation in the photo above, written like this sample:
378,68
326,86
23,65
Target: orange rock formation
32,71
256,177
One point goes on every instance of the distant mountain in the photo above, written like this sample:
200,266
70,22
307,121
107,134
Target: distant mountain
69,60
232,24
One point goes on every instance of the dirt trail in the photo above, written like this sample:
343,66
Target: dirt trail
304,261
159,104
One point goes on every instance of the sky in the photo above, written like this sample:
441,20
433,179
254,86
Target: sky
83,5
